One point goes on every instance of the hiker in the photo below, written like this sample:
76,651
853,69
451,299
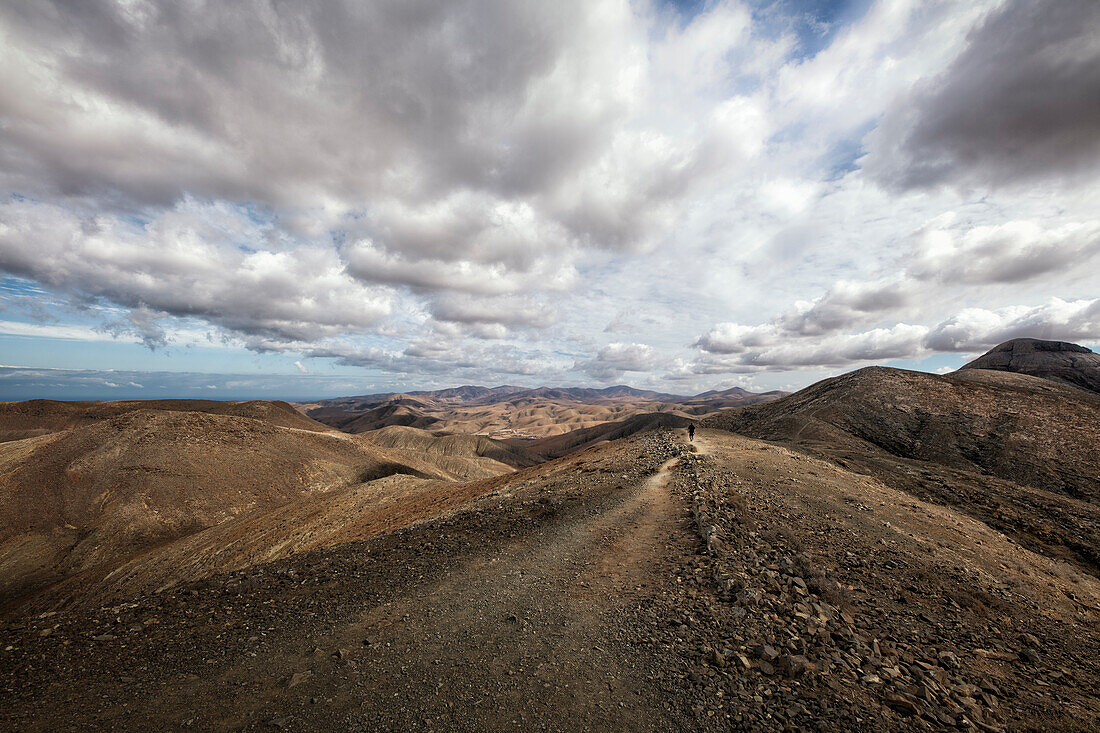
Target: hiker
691,432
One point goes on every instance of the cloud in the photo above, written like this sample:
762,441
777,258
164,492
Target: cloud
741,349
1011,252
615,359
513,311
186,263
978,329
1020,103
301,367
744,349
846,305
440,192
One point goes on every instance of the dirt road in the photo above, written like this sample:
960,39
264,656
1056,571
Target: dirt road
516,625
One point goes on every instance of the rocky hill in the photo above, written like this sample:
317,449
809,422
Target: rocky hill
1055,360
1017,451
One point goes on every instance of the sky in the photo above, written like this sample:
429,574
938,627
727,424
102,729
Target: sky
303,200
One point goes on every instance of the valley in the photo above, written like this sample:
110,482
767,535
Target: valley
884,550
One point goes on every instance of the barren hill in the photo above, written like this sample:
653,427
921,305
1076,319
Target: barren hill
556,446
467,455
1056,360
80,501
234,574
636,585
1019,452
40,417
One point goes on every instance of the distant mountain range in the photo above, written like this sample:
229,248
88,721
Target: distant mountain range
518,412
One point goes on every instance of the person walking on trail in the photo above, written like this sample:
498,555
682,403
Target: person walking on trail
691,432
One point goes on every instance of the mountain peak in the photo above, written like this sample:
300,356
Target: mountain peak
1059,361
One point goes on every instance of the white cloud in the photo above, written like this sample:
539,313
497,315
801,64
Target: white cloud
460,190
977,329
1002,253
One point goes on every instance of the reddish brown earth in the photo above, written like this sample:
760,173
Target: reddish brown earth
1018,452
744,586
884,551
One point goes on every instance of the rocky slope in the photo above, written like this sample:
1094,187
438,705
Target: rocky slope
1016,451
742,587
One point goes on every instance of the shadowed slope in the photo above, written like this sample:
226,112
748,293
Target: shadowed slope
560,445
1019,452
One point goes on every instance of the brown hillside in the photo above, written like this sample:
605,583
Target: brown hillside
40,417
556,446
1016,451
514,413
82,500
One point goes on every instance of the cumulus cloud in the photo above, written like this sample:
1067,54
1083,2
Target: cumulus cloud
847,305
977,329
1014,251
617,358
186,263
1021,102
735,348
512,311
452,191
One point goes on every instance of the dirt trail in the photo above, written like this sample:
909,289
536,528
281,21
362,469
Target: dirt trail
526,628
519,639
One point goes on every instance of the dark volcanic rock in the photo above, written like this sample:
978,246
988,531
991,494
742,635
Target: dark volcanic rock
1055,360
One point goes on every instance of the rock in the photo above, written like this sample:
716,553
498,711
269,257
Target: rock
902,704
298,678
948,660
1030,656
1029,640
767,652
104,637
794,665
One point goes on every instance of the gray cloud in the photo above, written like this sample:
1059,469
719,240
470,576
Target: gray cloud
615,359
1014,251
745,349
513,311
740,349
186,264
1021,102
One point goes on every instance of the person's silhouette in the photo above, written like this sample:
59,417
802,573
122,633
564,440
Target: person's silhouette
691,431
